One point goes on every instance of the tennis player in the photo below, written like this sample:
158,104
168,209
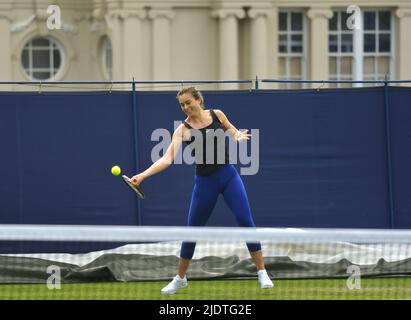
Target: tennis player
211,179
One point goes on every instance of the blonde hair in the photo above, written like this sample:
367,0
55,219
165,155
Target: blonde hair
194,92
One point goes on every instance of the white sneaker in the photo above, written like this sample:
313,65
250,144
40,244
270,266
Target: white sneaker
264,279
175,284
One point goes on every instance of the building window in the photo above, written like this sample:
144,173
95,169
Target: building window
291,48
340,49
376,56
377,44
107,58
42,58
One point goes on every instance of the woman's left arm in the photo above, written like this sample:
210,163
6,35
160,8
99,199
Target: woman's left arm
237,135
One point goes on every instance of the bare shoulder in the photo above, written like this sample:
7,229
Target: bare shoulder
179,130
182,132
220,114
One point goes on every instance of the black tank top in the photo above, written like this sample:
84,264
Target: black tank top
212,136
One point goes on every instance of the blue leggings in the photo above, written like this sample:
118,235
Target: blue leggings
206,190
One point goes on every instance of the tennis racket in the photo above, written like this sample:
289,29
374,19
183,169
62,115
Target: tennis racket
137,189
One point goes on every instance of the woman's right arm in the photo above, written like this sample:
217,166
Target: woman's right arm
165,161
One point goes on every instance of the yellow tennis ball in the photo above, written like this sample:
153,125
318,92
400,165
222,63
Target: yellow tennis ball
116,170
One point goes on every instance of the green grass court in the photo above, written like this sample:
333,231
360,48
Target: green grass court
316,289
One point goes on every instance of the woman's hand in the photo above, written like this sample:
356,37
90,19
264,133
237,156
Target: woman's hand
137,179
240,136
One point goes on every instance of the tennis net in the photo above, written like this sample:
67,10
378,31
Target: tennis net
136,262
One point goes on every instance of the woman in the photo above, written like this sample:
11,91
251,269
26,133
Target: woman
211,179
